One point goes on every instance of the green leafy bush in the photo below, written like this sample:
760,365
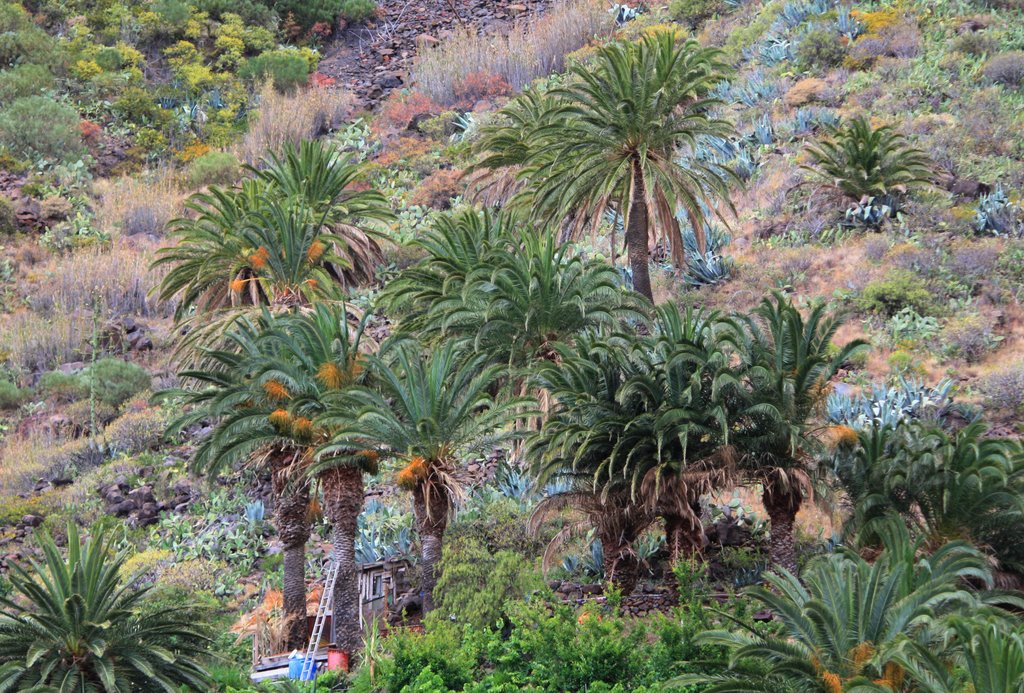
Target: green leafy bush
136,431
899,290
8,221
694,12
38,126
475,584
24,80
819,48
10,395
23,42
214,168
116,381
288,69
62,387
358,10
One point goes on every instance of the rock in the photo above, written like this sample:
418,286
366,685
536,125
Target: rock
969,187
31,520
121,509
806,91
142,495
426,40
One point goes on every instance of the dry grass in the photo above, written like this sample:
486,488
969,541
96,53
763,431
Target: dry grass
64,296
282,119
532,49
139,205
24,459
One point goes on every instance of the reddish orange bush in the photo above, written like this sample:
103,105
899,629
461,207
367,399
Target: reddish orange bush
438,189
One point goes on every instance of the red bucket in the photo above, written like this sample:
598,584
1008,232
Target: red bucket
337,659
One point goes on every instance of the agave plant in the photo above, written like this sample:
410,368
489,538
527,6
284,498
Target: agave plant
863,161
849,624
72,626
998,215
888,406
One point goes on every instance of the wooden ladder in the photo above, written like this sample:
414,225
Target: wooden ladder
326,604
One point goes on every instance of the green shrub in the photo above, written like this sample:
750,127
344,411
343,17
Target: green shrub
173,13
23,42
115,381
288,69
24,80
358,10
819,48
899,290
136,431
214,168
8,220
10,395
137,106
38,126
475,584
694,12
62,387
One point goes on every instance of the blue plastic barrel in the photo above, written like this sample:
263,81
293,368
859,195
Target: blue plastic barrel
295,666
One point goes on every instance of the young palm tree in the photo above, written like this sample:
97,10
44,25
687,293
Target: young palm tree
851,625
71,625
294,233
788,361
236,389
430,411
988,654
862,161
611,138
679,448
949,485
456,246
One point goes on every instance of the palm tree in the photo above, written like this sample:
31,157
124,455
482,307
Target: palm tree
611,137
294,233
429,411
316,354
788,361
948,485
579,446
988,654
239,392
862,161
456,246
679,448
72,626
849,624
512,291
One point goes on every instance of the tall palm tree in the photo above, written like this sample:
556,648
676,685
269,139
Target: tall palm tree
316,354
948,485
429,411
849,624
236,389
71,625
294,233
788,361
611,137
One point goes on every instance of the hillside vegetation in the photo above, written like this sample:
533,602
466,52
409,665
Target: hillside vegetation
677,346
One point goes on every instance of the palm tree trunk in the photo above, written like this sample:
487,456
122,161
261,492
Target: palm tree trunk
293,528
343,501
782,505
621,566
637,235
431,522
682,538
